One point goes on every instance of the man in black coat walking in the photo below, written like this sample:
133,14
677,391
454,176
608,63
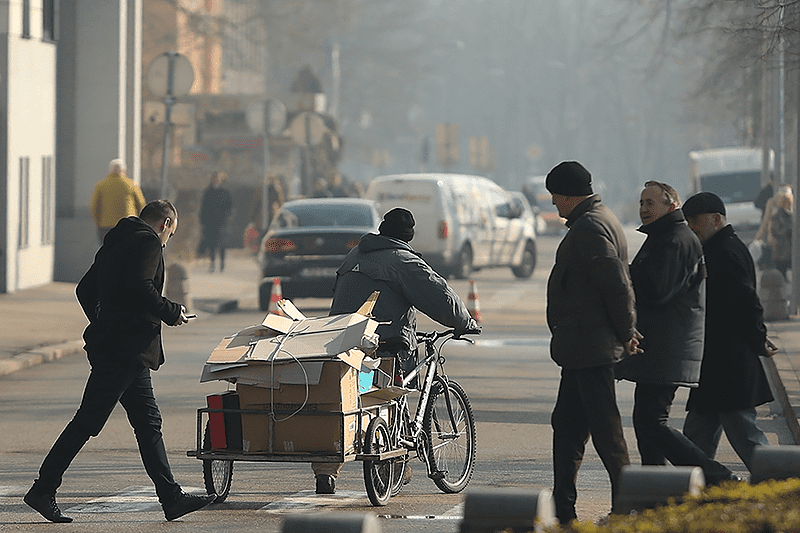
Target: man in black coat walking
121,296
732,380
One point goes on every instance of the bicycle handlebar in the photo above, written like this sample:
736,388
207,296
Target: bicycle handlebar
423,336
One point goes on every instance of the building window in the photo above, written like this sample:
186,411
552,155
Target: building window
50,20
48,201
26,19
24,200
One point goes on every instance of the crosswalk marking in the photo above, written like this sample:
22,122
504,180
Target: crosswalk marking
129,500
309,500
143,499
12,490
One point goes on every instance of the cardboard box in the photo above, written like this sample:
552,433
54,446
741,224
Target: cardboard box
261,354
334,384
329,432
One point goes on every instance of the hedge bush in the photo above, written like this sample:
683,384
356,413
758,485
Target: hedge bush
732,507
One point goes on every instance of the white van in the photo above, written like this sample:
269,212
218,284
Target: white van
463,223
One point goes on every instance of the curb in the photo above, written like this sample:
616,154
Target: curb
40,355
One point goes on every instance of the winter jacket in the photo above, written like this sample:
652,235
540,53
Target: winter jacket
590,301
115,198
668,277
731,377
121,296
406,283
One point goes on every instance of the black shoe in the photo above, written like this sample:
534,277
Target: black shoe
187,503
45,505
326,484
713,480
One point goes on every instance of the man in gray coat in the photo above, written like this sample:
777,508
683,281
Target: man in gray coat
669,279
386,262
591,316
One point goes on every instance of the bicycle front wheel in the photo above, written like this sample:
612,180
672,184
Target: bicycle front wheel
449,426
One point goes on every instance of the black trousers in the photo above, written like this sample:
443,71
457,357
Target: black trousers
129,383
658,442
586,405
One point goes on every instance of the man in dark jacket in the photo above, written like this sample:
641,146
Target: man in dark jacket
121,296
732,380
591,316
668,276
387,263
215,214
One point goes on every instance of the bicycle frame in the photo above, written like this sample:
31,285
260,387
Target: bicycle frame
433,363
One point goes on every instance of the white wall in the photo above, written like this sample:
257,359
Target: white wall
31,86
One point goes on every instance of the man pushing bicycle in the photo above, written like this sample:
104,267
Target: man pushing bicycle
386,262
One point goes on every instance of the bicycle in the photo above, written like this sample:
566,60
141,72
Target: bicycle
441,434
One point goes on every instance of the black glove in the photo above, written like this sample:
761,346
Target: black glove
472,328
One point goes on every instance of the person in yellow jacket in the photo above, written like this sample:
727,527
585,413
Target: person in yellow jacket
115,198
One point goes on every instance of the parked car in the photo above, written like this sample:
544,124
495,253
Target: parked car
463,223
308,240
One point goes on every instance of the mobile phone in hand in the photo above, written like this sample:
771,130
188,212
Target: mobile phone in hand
191,316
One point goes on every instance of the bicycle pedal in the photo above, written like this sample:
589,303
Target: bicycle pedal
439,474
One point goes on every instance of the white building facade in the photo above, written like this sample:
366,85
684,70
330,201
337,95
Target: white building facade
28,37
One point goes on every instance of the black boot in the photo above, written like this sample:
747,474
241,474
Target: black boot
326,484
45,504
185,504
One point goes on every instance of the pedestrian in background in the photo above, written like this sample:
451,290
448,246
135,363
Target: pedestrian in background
591,316
732,380
216,209
121,296
115,198
779,229
668,275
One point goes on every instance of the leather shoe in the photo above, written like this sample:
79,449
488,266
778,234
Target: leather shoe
45,505
326,484
187,503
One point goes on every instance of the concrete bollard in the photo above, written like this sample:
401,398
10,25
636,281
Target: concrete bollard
331,523
507,510
775,462
645,487
177,284
773,291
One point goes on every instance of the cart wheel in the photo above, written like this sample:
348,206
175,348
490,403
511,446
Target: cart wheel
216,474
378,475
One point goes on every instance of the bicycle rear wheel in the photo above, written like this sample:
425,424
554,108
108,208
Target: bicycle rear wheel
451,441
217,474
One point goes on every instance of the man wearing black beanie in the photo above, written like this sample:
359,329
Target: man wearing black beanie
591,316
386,262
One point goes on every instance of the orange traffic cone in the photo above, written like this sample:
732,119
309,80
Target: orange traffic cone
275,297
473,306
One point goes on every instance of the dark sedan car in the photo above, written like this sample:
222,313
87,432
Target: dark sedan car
308,240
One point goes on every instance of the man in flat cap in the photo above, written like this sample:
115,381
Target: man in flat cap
732,380
591,315
386,262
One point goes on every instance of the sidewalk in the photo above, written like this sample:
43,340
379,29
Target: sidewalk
46,323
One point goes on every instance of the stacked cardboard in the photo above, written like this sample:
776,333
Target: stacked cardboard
301,374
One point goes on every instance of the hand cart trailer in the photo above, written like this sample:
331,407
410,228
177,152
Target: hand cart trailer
442,434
